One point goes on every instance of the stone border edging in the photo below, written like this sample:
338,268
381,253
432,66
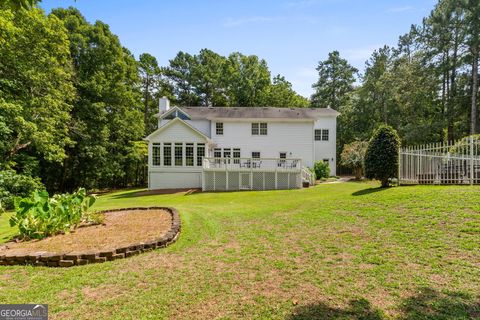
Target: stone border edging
77,258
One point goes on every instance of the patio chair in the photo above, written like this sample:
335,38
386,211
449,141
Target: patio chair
294,164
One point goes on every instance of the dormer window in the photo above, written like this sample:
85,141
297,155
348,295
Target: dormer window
176,113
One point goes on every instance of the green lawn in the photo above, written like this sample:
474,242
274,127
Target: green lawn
335,251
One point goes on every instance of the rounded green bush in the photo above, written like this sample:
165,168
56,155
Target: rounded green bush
382,156
321,169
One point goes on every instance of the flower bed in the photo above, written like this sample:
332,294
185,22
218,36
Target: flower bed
126,232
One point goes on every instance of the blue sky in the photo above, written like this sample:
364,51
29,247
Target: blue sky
291,35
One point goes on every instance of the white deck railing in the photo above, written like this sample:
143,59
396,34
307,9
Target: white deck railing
222,174
252,164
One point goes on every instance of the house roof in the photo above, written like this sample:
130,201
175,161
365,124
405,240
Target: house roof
170,123
256,112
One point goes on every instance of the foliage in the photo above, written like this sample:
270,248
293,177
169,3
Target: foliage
13,185
353,156
463,145
382,155
321,169
336,78
107,112
209,79
39,216
35,86
17,5
154,85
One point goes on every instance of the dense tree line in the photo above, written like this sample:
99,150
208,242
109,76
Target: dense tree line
426,87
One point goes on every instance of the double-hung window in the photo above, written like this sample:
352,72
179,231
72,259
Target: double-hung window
259,128
219,128
321,134
156,155
189,160
256,154
167,154
179,154
200,153
236,155
325,134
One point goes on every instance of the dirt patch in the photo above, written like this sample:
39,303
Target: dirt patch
120,228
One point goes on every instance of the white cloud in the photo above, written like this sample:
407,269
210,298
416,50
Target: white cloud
399,9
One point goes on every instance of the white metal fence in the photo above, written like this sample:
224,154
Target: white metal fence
441,163
223,174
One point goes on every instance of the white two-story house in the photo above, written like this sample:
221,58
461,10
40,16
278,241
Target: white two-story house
233,148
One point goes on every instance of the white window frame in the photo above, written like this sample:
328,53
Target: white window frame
156,154
170,146
259,154
255,129
219,128
323,134
259,129
264,130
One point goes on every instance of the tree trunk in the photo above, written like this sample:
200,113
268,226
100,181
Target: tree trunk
145,115
473,115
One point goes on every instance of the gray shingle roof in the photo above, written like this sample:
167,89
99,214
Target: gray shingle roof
257,112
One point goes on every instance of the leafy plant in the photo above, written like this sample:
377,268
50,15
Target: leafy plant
353,156
40,216
321,169
382,156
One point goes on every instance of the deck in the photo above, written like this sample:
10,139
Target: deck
224,174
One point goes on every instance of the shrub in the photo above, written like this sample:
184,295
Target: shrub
353,156
321,169
39,216
382,155
462,146
14,185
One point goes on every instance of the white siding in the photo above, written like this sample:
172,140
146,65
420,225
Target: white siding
327,149
201,125
178,179
177,132
174,177
295,138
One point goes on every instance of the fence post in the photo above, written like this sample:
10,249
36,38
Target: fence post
399,164
471,161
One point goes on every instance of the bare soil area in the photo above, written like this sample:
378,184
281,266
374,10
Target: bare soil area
120,228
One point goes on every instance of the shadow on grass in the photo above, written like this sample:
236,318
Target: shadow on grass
427,304
368,191
136,193
431,304
356,309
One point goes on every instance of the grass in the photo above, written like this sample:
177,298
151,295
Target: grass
335,251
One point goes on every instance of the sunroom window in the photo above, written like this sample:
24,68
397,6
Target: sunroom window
189,155
200,153
179,154
156,155
167,154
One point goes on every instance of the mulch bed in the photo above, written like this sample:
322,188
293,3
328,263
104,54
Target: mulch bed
125,232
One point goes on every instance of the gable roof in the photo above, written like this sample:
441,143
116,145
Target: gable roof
170,123
257,112
172,110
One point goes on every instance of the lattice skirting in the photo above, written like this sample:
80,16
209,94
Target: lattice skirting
223,181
